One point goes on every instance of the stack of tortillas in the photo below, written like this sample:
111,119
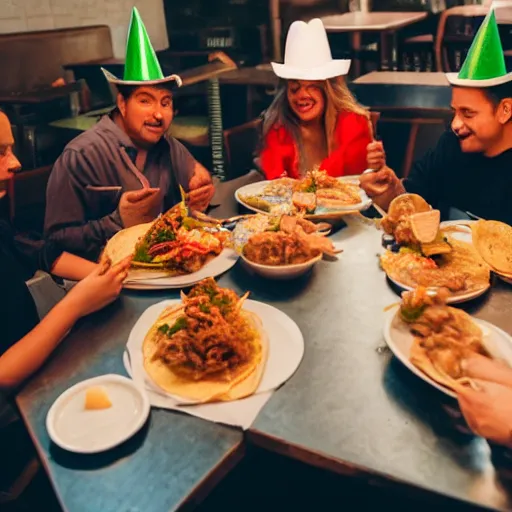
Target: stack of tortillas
493,240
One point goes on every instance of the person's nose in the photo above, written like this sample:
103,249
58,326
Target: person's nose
13,164
158,115
457,124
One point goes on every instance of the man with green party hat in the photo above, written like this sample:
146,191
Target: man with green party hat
125,170
470,169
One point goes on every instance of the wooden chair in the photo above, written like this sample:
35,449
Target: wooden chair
27,198
455,32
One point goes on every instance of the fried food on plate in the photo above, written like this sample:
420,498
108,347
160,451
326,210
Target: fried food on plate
461,270
175,243
443,336
208,348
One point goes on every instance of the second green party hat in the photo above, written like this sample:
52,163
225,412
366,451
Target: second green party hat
141,66
485,63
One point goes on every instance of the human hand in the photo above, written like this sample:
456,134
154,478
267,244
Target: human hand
201,190
378,182
488,410
480,367
375,155
139,206
99,288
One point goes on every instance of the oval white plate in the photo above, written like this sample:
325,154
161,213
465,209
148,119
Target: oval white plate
281,272
286,345
256,188
215,267
453,299
399,340
464,236
78,430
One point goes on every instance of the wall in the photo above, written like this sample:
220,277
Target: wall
27,15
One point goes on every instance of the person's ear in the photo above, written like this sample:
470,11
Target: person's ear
505,111
121,104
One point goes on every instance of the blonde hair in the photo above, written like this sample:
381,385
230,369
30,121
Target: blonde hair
338,98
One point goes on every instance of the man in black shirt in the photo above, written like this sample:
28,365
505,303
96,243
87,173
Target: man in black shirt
470,169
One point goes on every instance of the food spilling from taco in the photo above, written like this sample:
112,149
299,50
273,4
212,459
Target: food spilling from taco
443,336
175,243
493,241
208,348
282,240
422,254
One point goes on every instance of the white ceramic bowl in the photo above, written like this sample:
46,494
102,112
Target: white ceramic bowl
281,271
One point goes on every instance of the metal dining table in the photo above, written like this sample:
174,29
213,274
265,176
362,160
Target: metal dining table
350,407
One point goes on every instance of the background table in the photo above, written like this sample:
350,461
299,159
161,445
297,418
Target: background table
174,459
387,23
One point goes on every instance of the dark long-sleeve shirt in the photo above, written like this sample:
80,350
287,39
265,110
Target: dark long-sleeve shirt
20,257
469,182
88,179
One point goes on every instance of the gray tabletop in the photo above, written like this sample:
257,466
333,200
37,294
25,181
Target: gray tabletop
351,407
174,459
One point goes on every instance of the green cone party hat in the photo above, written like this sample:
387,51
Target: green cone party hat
485,63
141,65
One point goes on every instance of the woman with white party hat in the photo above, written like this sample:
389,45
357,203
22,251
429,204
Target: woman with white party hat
314,121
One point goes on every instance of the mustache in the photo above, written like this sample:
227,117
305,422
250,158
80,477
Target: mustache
155,124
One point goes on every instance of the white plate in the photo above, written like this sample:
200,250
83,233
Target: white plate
286,344
399,340
215,267
256,188
464,235
281,272
457,298
78,430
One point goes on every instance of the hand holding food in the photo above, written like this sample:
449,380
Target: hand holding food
99,288
444,337
492,370
376,156
487,409
139,206
380,183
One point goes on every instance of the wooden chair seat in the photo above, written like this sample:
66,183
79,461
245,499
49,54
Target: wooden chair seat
421,39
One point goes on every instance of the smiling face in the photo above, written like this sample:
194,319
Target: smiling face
306,99
146,114
478,122
8,161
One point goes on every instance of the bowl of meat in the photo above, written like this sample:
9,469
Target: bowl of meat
285,249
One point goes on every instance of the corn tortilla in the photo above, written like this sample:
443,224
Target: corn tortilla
242,382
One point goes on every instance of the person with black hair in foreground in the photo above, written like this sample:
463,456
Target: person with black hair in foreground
25,342
126,170
470,169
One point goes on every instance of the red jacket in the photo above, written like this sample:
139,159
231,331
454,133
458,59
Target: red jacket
280,155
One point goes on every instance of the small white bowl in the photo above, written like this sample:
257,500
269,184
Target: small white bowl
281,272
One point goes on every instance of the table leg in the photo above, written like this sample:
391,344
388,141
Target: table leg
384,53
356,47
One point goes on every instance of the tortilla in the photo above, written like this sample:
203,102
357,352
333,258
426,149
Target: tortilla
463,260
122,244
419,358
425,225
244,381
493,240
407,204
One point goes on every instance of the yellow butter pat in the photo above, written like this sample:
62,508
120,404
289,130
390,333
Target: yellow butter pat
97,398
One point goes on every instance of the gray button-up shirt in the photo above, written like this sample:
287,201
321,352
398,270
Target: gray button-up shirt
89,177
